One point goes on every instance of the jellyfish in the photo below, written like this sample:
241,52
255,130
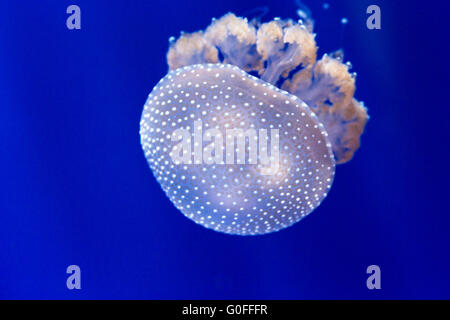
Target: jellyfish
244,132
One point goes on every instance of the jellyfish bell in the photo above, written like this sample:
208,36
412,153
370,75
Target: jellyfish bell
222,193
201,117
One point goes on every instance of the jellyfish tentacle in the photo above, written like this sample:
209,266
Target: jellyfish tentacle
235,39
189,49
283,47
283,53
330,95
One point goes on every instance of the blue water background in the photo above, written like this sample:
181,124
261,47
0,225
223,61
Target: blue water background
75,187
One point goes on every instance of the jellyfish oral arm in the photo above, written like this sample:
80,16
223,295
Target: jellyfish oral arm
283,52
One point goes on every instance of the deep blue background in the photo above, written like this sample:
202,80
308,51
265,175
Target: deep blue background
75,187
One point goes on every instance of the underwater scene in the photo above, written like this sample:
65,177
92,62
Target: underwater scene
224,150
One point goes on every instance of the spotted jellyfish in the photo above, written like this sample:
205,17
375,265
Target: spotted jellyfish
244,132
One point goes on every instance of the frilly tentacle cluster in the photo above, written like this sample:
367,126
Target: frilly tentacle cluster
283,53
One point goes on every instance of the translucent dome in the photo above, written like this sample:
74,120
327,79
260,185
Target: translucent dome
245,154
